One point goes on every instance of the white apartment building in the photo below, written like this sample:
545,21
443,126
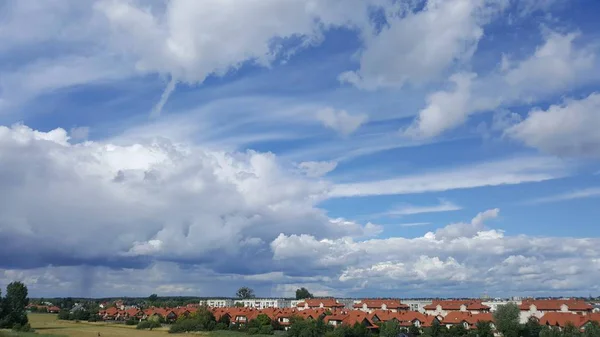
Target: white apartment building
495,303
417,305
262,303
217,302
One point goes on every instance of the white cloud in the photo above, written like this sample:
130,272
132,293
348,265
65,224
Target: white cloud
169,202
573,195
79,133
558,65
418,47
443,206
340,120
466,230
317,168
414,224
502,172
445,109
570,129
459,258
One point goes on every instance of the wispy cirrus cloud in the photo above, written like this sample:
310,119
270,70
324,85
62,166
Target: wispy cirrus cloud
509,171
408,209
414,224
592,192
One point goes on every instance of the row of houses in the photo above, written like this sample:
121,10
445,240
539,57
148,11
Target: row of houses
43,308
369,314
438,308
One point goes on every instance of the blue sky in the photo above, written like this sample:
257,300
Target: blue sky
356,147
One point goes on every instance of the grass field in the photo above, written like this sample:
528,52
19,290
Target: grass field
47,324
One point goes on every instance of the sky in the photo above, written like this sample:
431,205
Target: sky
358,148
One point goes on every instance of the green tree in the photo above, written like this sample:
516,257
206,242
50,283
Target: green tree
484,329
13,305
507,320
436,329
245,293
549,332
152,298
570,330
263,319
303,293
390,328
592,329
414,330
457,330
531,329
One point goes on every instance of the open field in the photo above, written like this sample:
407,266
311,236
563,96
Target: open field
47,324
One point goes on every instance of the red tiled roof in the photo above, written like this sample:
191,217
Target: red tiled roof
472,319
377,304
573,305
316,303
561,319
456,304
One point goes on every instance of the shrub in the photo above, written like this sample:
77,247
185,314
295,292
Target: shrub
266,330
253,331
130,321
148,325
221,326
22,328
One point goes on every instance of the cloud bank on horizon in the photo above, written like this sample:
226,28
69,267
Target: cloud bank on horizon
353,147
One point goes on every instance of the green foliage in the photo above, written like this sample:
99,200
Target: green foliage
507,320
201,320
260,325
389,329
484,329
570,331
153,298
307,328
22,328
414,330
303,293
130,321
245,293
591,330
531,329
238,305
225,320
550,332
436,330
13,305
221,326
457,330
63,314
148,325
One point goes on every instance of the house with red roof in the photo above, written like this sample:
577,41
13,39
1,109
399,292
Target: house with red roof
368,305
538,308
441,308
320,303
467,319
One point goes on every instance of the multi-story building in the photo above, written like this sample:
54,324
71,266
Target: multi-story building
417,304
495,303
262,303
217,302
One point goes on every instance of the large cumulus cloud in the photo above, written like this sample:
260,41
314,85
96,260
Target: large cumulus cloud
104,204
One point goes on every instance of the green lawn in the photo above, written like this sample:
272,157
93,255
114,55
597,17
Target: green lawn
47,325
